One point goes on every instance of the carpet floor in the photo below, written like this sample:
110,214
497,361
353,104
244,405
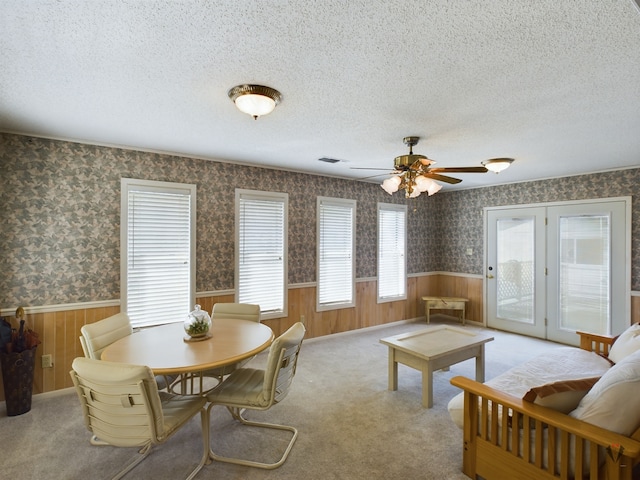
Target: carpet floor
351,426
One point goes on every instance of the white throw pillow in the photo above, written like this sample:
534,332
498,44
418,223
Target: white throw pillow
626,344
613,402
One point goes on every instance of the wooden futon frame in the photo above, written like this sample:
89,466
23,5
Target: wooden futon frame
508,438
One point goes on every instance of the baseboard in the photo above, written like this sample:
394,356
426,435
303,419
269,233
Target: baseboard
39,397
365,329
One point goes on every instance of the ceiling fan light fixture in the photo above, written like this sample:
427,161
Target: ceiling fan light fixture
497,165
425,184
391,185
255,100
414,174
433,188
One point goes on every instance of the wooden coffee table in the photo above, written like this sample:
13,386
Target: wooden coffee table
433,349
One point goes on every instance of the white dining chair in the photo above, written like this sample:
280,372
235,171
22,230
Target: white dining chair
122,406
97,336
260,389
240,311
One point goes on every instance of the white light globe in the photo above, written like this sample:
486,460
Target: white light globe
255,105
390,185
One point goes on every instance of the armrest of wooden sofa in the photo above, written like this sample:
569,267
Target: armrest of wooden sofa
547,445
594,342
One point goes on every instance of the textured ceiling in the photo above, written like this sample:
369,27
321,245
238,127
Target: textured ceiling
554,84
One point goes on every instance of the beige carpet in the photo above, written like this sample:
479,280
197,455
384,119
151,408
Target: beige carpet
351,426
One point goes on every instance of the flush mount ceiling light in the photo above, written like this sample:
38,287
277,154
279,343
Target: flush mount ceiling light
497,165
256,100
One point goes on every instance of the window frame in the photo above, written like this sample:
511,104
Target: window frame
352,206
282,198
129,185
399,209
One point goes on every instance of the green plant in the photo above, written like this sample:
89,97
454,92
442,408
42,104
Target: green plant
198,327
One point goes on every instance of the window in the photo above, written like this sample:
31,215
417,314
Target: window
392,248
336,253
261,251
157,230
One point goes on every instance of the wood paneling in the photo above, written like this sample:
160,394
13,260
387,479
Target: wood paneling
59,331
458,286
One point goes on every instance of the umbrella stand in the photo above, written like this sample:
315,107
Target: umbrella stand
17,378
17,361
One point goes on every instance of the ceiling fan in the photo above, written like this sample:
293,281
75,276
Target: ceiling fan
413,172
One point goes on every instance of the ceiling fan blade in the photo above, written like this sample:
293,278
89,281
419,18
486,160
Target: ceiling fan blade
459,170
373,176
368,168
441,178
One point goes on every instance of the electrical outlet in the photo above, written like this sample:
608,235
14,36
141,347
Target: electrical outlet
47,361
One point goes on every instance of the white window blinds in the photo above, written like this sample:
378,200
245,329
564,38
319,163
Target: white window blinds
584,283
261,251
336,253
158,250
392,261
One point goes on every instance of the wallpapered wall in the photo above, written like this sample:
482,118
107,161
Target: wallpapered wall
60,210
60,206
459,214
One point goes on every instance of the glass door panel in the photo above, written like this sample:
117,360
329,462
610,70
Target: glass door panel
588,289
515,288
514,272
584,273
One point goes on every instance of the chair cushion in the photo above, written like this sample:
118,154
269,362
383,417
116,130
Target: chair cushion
626,344
242,387
239,311
289,339
110,372
101,334
177,409
250,388
613,402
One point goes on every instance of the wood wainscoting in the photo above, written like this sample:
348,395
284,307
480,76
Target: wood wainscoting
59,330
367,312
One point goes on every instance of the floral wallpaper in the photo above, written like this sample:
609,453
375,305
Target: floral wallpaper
60,206
60,211
459,214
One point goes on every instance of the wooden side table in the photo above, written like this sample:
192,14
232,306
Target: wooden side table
445,303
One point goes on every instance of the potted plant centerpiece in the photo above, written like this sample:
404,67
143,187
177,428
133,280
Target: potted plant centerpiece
197,325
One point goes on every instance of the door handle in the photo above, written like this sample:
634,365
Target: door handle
489,276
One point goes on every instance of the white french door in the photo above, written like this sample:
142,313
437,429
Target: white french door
515,280
557,268
588,279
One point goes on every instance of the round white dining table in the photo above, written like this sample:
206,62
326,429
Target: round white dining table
164,350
